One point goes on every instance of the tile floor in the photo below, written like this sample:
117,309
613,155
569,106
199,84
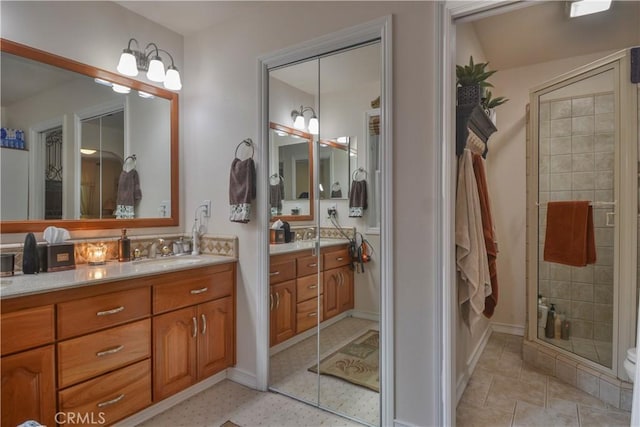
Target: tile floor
505,391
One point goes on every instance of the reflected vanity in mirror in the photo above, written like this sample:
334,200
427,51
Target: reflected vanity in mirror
85,131
338,158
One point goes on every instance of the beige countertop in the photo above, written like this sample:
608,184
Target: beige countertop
301,245
87,275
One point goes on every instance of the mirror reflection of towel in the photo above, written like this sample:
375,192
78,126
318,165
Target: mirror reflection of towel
242,189
276,192
569,237
358,198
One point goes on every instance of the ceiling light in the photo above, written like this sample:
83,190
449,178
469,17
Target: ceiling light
587,7
343,139
87,151
298,119
132,61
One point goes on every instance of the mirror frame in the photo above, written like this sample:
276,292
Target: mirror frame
93,72
309,138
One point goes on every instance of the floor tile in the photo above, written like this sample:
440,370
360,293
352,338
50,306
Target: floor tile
472,416
532,415
594,417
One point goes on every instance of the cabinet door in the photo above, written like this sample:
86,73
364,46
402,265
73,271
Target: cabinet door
331,292
28,387
283,313
215,337
345,289
174,361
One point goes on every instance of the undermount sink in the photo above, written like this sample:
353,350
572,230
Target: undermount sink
171,261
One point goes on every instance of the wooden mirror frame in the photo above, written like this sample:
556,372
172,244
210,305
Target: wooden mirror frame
309,138
95,224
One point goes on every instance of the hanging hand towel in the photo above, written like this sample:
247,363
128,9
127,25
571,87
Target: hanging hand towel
488,229
474,283
569,238
129,193
242,189
276,192
358,198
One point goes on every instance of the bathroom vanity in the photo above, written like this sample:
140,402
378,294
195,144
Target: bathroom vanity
102,343
294,294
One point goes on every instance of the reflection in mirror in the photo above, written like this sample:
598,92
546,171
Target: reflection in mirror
290,173
76,132
337,159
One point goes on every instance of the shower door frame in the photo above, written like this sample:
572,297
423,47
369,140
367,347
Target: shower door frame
626,211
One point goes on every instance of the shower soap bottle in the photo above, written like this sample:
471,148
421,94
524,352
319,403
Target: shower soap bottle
542,312
124,247
557,325
549,330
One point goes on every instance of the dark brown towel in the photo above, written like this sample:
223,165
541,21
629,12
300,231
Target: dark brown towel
490,301
242,189
569,238
358,198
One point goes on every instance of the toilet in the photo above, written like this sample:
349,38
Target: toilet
630,363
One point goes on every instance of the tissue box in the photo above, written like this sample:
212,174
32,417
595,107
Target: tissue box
60,256
276,236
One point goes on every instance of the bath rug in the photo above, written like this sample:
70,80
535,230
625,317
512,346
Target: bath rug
229,423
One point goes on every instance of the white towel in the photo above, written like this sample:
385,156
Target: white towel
474,283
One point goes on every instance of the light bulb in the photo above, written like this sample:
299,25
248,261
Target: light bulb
127,64
299,122
121,89
156,70
586,7
313,125
172,79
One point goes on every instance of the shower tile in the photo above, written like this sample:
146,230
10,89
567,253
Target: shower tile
604,255
599,217
603,313
603,276
626,399
588,380
604,122
544,147
603,294
604,104
604,161
582,329
582,106
544,129
560,109
543,197
582,274
594,417
544,111
583,195
582,180
557,390
604,180
560,290
580,125
546,360
604,236
609,393
560,181
543,288
561,164
559,272
604,142
581,291
560,145
582,144
529,354
583,162
543,270
560,127
562,305
582,310
566,370
602,331
560,195
604,196
543,164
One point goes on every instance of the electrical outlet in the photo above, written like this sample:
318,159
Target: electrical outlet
206,210
165,208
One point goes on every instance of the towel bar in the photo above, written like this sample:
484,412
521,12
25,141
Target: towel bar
594,204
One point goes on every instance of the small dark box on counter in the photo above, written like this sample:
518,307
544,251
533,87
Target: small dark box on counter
277,236
59,256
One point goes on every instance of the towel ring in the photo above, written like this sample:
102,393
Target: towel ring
278,177
133,158
356,172
247,142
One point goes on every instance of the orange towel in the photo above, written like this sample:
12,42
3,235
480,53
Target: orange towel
490,301
569,238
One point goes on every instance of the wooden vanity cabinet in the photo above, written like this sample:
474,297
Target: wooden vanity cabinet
338,291
197,341
282,302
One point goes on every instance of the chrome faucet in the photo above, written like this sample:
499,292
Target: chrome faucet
153,250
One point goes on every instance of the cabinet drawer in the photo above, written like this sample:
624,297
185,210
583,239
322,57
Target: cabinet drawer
307,287
336,258
307,265
27,328
91,355
110,397
307,314
91,314
282,271
192,290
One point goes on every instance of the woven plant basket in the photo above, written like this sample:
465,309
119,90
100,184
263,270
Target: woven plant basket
469,95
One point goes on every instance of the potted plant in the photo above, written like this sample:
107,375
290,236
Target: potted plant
471,80
489,104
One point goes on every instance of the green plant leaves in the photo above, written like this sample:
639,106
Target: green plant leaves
477,74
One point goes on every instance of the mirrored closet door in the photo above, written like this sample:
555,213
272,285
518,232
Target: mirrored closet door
324,173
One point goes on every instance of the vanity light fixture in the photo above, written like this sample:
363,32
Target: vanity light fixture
132,60
87,151
121,89
298,119
586,7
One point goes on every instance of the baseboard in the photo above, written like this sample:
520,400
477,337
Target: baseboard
505,328
472,361
171,401
367,315
242,377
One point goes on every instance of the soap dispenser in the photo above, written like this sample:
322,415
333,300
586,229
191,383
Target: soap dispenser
124,247
549,330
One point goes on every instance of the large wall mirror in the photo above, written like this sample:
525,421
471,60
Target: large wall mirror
74,137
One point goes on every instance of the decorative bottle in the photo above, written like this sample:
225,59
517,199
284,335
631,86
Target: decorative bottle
124,247
549,330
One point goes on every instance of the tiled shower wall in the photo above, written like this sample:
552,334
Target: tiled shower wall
576,162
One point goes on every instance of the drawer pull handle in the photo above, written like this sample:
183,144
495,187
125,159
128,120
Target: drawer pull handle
110,351
339,258
271,298
313,314
313,286
111,402
198,291
312,265
112,311
195,327
277,300
204,323
274,273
